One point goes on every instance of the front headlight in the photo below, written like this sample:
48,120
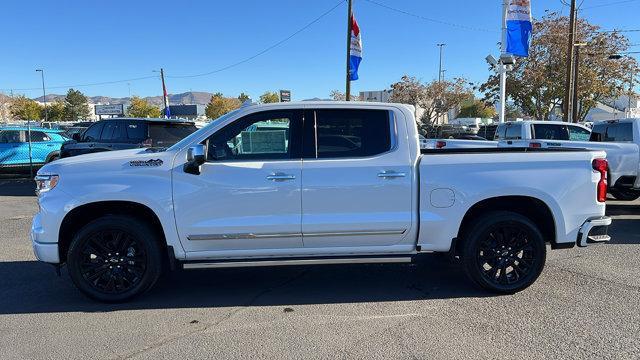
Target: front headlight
45,183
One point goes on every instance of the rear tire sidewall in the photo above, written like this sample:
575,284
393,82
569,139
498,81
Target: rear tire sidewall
480,228
143,234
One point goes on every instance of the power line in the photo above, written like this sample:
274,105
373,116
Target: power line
263,51
196,75
437,21
609,4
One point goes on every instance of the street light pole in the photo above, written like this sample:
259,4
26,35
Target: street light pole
568,109
44,95
440,67
576,66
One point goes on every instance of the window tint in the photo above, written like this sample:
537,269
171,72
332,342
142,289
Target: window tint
352,133
10,136
93,133
261,136
550,132
513,132
577,133
614,132
39,136
165,135
137,130
111,131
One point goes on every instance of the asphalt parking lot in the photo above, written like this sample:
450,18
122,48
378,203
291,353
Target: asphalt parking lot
585,305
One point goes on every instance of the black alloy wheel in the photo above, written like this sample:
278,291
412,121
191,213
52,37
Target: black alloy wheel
504,252
114,258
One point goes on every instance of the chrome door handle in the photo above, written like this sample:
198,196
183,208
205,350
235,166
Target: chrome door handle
280,177
391,174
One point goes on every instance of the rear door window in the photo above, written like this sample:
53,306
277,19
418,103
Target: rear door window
165,135
111,131
39,136
576,133
352,133
612,132
513,132
550,132
137,130
93,133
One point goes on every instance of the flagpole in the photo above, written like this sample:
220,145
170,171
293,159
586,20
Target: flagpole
164,94
348,78
502,67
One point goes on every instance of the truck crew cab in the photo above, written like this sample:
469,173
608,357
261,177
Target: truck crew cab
314,183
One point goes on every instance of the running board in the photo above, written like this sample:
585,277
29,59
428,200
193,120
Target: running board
291,262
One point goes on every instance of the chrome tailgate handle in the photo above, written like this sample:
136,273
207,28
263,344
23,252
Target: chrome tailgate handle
280,177
391,174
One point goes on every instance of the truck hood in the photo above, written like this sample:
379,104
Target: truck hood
111,161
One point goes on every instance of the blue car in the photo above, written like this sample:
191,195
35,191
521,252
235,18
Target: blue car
14,147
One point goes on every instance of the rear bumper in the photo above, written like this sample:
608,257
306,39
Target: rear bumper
594,231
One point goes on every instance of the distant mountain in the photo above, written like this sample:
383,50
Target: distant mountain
191,97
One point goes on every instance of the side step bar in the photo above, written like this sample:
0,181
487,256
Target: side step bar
294,261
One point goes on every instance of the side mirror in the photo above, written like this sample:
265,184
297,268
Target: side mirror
76,136
195,158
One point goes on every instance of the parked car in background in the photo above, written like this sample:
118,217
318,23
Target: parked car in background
14,147
623,155
127,133
264,186
488,131
621,131
71,131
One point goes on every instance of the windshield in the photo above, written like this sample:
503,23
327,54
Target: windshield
184,142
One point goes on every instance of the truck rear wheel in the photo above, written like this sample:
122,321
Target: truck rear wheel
114,258
625,194
503,252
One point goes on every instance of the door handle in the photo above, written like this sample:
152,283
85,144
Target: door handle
50,145
280,177
391,174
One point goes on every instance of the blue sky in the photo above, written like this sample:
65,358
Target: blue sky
81,42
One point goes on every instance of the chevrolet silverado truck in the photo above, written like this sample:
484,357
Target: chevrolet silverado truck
313,183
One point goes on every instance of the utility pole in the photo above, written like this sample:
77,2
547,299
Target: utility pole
568,108
440,67
576,66
44,95
501,67
348,78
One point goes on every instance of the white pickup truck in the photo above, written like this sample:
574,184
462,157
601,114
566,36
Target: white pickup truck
622,154
313,183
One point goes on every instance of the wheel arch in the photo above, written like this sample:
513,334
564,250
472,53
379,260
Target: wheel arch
80,216
530,207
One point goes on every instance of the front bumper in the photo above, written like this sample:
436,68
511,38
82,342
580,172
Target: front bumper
44,251
594,231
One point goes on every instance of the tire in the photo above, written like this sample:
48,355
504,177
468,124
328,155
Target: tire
52,157
503,252
625,194
114,258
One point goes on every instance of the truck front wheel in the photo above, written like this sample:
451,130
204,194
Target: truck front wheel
503,252
114,258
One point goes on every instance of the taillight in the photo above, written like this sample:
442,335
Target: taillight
440,144
535,145
147,143
601,166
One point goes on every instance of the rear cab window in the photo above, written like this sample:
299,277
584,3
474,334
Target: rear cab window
513,132
550,132
612,132
577,133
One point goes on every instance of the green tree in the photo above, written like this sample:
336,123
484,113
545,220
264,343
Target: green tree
76,106
477,109
219,105
269,97
23,108
243,97
537,83
55,111
141,108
